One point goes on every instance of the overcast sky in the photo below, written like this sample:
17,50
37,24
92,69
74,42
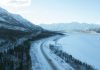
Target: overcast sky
55,11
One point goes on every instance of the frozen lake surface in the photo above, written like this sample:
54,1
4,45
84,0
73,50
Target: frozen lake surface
83,46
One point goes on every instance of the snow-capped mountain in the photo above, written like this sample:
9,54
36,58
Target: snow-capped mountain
74,26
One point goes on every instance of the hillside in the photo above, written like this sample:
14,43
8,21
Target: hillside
16,34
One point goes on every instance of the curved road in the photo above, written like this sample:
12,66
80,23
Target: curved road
53,64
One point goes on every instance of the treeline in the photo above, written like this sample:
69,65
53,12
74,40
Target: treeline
97,30
12,34
75,63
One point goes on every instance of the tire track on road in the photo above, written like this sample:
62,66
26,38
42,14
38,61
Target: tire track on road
50,62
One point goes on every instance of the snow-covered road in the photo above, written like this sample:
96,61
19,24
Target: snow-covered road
43,59
50,62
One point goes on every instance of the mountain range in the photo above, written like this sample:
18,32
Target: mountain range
74,26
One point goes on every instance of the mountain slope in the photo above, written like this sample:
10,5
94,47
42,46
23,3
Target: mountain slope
16,34
16,20
13,28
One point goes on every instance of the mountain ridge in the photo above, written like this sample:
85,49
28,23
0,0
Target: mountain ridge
74,26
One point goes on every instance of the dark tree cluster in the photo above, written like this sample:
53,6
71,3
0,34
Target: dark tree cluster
17,58
97,30
12,34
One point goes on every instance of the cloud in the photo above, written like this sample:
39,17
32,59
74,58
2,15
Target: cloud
15,3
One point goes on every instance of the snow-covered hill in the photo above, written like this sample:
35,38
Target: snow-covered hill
16,34
13,27
16,20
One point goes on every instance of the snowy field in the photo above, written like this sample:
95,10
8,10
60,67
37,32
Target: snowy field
83,46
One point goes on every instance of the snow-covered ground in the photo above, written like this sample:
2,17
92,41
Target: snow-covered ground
43,59
57,61
83,46
37,58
